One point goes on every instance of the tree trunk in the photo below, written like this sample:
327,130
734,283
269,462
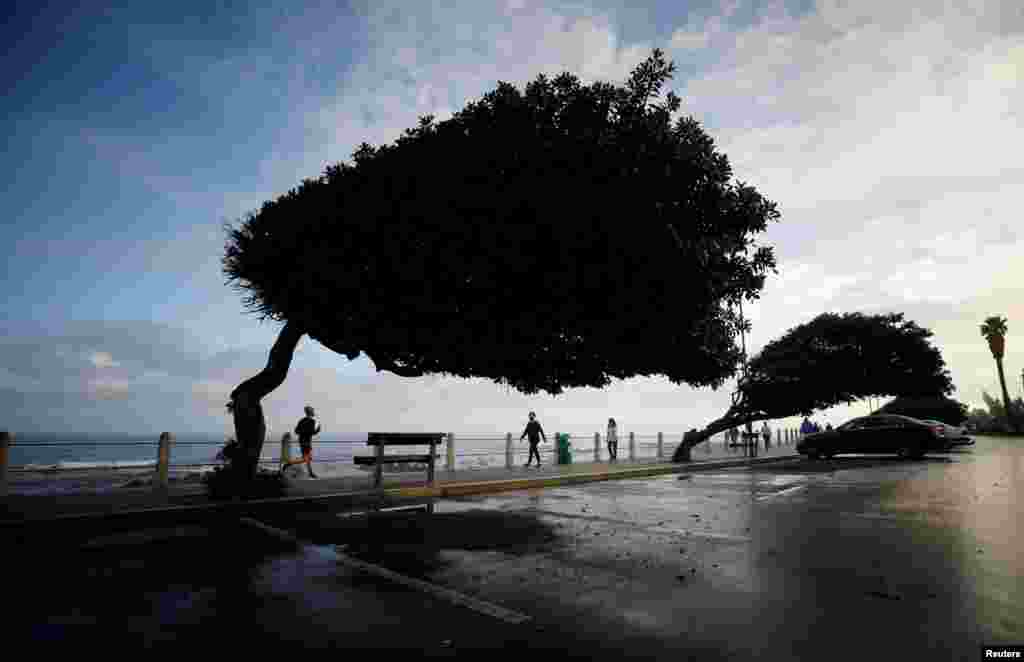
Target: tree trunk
1010,418
250,426
734,417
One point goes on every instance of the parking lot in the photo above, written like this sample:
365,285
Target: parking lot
848,557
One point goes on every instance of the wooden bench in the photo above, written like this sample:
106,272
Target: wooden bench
382,439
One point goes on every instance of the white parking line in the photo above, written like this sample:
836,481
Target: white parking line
782,492
455,597
702,534
476,605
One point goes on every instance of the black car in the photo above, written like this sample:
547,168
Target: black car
888,433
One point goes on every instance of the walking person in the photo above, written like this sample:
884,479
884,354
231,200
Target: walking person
766,434
806,427
306,429
535,432
613,440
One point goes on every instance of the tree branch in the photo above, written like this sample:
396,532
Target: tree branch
387,364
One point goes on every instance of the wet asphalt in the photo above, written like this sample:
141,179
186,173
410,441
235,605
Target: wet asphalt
842,559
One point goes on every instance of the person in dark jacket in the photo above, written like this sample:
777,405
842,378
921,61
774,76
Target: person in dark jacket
306,429
535,432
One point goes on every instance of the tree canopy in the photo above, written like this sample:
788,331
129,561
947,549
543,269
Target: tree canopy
835,359
943,409
555,237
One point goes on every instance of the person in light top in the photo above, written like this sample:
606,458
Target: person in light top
613,440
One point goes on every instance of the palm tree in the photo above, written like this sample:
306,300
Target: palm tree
994,330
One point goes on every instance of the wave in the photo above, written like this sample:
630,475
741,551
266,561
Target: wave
112,464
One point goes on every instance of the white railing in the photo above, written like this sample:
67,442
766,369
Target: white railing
640,447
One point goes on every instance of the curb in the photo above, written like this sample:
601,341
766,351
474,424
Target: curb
491,486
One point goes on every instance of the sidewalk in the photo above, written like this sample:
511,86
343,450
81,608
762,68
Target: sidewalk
348,492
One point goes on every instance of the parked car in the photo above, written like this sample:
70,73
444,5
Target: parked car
955,433
878,433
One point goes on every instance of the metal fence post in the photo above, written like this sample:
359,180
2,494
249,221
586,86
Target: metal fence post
163,461
450,452
6,441
508,450
597,447
286,444
632,446
661,446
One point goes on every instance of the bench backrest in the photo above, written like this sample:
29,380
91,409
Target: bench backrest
405,438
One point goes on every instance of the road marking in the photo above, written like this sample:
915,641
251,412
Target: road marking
336,554
448,594
703,534
647,526
782,492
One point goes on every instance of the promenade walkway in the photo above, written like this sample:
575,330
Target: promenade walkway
354,491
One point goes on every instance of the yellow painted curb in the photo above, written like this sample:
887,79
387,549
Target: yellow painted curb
491,486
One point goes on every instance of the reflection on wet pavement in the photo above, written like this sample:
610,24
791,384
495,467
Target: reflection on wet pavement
851,541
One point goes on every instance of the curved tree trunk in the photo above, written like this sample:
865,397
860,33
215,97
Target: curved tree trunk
734,417
250,426
1010,418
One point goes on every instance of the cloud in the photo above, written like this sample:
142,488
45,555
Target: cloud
689,40
103,360
109,389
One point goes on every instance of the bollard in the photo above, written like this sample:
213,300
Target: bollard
597,447
450,452
163,461
508,450
286,444
6,441
661,446
632,447
430,471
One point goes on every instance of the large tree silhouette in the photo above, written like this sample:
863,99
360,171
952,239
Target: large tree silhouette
553,238
934,408
830,360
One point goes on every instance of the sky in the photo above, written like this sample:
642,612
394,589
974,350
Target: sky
889,134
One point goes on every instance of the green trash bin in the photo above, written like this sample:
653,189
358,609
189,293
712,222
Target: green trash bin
564,448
